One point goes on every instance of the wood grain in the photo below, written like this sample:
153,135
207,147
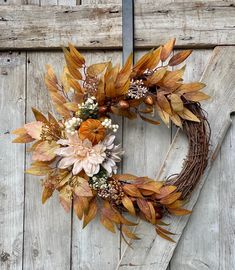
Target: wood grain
219,76
12,157
100,26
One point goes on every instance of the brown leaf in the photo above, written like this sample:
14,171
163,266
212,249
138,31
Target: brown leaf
72,106
190,87
74,84
165,191
127,202
141,64
77,56
179,57
39,169
179,212
176,204
25,138
78,207
45,151
111,214
95,69
59,101
73,65
124,73
51,80
91,214
34,129
167,49
151,121
170,198
164,230
125,177
107,223
172,77
188,115
147,209
65,197
132,190
155,58
176,120
176,103
163,235
53,121
39,116
128,233
152,186
46,194
82,187
163,103
163,115
196,96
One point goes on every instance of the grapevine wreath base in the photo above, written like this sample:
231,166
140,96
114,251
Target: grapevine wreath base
78,156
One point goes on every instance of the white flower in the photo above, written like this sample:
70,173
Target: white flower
81,154
113,154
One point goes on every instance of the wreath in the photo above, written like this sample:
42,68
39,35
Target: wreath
78,155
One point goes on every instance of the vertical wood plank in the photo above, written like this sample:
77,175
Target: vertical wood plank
94,247
47,227
12,157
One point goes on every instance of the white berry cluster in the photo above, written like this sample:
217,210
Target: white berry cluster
98,182
107,123
71,125
90,104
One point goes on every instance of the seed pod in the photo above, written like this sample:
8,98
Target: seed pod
102,109
123,104
148,100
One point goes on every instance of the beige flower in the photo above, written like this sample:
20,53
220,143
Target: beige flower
81,154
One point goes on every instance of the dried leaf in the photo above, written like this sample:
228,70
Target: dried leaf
188,115
65,197
45,151
179,212
167,49
155,58
141,64
176,120
176,103
39,169
39,116
125,177
78,207
51,80
64,80
151,121
25,138
128,233
147,209
179,57
156,76
196,96
163,235
170,198
82,187
91,213
74,84
190,87
132,190
164,230
53,122
107,223
124,73
152,186
34,129
163,103
59,101
176,204
127,202
95,69
77,56
46,194
73,65
72,106
172,77
165,191
163,115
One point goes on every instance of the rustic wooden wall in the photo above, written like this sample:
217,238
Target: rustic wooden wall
35,236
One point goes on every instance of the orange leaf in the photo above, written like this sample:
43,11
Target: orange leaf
90,214
176,204
190,87
82,187
45,151
156,76
72,106
141,64
170,198
77,56
132,191
152,186
34,129
107,223
163,103
78,207
124,73
74,84
179,57
164,191
155,58
126,201
179,212
25,138
73,65
46,194
39,116
95,69
167,49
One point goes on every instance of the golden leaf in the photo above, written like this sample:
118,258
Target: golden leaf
141,64
128,233
64,80
124,89
190,87
45,151
95,69
176,103
179,57
163,103
110,88
155,58
170,198
164,230
77,56
156,76
127,113
34,129
25,138
39,116
147,209
78,207
53,121
72,65
151,121
176,120
39,169
107,223
74,84
110,213
19,131
132,190
188,115
46,194
176,204
128,204
165,191
196,96
82,187
58,101
65,197
125,177
163,235
167,49
172,77
163,115
152,186
179,212
124,73
72,106
51,80
90,214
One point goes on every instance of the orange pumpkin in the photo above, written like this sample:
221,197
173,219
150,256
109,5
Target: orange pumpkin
92,130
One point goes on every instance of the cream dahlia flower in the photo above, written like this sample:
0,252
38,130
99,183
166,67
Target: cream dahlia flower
81,154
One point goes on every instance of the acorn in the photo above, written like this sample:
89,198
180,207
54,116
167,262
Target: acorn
122,104
102,109
158,215
148,100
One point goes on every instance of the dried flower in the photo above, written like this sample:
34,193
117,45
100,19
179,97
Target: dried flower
72,124
88,109
137,89
92,130
107,123
81,154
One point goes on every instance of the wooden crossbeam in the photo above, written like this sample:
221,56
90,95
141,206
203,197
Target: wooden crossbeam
100,26
154,252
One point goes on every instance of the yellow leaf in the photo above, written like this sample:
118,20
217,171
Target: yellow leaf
163,103
91,213
170,198
77,56
126,201
46,194
188,115
95,69
179,57
196,96
132,190
190,87
107,223
72,106
176,103
167,49
156,76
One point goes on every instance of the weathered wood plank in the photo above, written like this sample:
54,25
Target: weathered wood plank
47,227
100,26
12,156
94,247
219,77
